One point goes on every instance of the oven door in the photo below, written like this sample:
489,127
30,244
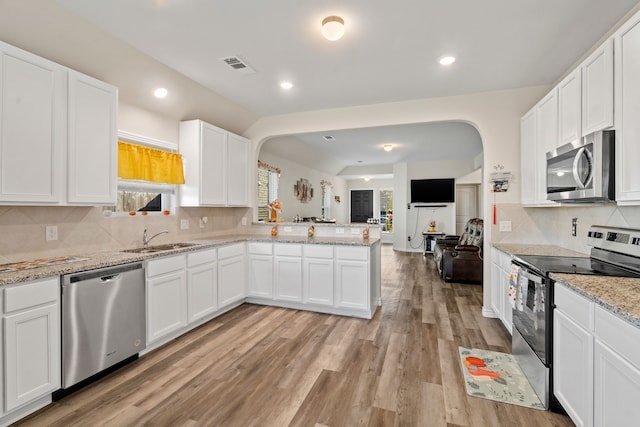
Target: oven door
532,312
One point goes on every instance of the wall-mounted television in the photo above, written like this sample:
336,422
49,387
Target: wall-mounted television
441,190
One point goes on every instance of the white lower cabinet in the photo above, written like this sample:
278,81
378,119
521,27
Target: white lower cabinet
352,277
500,300
260,270
287,267
166,296
317,275
202,284
231,274
31,341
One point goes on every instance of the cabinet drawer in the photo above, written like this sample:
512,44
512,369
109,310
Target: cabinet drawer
356,253
621,336
160,266
318,251
231,251
201,257
260,248
31,294
288,249
575,306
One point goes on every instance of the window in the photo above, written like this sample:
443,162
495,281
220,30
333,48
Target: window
144,196
268,179
386,210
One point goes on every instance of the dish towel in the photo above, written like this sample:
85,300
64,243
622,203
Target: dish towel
514,288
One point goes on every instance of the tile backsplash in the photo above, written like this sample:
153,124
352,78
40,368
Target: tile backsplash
84,230
552,225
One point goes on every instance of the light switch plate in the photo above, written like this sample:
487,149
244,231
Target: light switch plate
51,232
244,220
505,225
287,229
339,230
355,231
184,224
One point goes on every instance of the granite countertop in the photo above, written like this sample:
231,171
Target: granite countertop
113,258
619,295
550,250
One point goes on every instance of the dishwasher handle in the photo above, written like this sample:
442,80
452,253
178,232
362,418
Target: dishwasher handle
104,274
108,279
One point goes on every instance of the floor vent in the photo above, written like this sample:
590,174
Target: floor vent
238,64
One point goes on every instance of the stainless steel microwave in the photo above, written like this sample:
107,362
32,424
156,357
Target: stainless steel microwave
583,170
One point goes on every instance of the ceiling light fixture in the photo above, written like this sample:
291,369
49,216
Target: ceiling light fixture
387,147
447,60
366,178
160,93
332,28
286,85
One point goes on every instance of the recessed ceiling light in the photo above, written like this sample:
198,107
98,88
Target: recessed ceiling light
387,147
447,60
160,93
286,85
366,178
332,28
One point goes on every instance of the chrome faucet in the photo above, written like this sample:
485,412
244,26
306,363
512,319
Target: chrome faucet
146,239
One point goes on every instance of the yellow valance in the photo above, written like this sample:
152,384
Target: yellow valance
149,164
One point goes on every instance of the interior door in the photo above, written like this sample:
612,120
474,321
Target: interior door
361,205
466,205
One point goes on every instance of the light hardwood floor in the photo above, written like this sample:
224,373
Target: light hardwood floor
266,366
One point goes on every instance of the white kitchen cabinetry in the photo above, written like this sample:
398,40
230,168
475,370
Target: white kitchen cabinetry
317,275
528,153
260,271
500,301
202,284
597,89
231,274
287,263
31,341
216,166
627,105
92,149
570,108
573,355
33,122
166,296
352,277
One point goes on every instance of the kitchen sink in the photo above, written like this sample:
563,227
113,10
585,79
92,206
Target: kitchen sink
160,248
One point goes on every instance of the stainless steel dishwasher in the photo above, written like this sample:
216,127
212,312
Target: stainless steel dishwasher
103,320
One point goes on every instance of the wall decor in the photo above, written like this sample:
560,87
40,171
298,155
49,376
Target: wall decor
303,190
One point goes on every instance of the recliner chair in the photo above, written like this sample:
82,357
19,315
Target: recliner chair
459,258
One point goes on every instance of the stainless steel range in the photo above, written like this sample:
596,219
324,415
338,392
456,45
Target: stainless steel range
614,252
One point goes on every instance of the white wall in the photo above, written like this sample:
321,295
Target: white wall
291,172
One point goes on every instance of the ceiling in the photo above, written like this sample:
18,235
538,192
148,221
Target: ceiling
389,52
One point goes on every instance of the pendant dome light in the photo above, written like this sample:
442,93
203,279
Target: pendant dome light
332,28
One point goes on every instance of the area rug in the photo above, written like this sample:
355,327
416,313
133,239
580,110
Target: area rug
496,376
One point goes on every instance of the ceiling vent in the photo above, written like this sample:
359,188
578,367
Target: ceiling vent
329,138
238,64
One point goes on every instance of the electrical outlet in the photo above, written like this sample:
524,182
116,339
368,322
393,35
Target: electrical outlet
408,238
505,226
287,229
244,220
339,230
355,231
51,232
184,224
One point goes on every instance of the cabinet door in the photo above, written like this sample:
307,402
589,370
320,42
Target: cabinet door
496,285
597,89
92,141
166,305
506,309
573,368
546,139
32,127
617,389
627,95
238,175
317,281
31,354
288,278
351,284
202,291
570,108
231,280
260,283
213,166
528,155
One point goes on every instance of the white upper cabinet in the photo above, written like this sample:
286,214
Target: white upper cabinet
627,125
93,141
597,89
57,133
32,127
569,108
216,166
528,129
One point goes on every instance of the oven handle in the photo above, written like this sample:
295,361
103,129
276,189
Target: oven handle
534,278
